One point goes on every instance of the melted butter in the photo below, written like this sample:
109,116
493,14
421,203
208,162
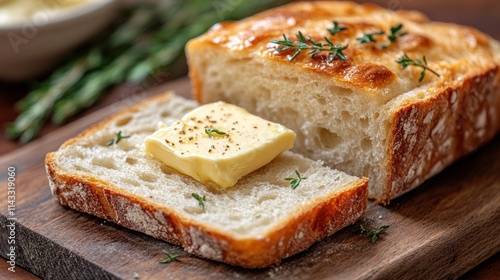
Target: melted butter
244,143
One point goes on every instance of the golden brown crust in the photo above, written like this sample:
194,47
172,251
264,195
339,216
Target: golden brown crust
466,59
294,234
430,134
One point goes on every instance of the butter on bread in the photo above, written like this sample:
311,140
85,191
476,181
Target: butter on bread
255,223
364,115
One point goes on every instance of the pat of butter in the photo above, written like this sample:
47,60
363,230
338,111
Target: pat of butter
219,143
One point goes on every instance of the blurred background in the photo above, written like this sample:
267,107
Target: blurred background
64,59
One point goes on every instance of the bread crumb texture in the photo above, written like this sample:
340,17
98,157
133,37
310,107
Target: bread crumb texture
260,215
364,115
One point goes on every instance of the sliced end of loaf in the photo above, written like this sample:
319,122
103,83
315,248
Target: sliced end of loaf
254,224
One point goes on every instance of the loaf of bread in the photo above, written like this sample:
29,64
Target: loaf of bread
359,111
256,223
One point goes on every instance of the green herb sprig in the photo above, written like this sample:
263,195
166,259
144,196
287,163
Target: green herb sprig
374,233
406,61
295,182
336,28
170,257
144,41
306,43
396,31
369,37
209,131
118,138
201,200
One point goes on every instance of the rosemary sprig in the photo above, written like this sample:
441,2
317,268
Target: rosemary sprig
313,46
368,37
201,200
170,257
406,61
336,28
144,40
374,233
294,182
210,130
119,137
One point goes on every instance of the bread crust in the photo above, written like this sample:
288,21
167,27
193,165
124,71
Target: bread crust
428,135
319,219
459,113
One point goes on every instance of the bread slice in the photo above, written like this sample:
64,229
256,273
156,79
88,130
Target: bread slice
364,115
254,224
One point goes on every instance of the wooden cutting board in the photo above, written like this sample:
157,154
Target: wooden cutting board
440,230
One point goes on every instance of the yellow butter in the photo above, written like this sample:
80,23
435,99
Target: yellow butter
244,143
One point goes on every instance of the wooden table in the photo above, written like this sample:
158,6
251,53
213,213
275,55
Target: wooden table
482,14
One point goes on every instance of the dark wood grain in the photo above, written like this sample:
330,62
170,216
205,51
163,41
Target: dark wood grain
440,230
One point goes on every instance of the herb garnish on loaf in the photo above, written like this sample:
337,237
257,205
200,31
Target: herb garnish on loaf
362,114
255,223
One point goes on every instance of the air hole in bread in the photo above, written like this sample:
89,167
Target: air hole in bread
329,139
165,114
340,90
366,144
167,170
147,177
366,170
123,121
292,80
193,209
267,196
364,122
131,161
346,116
125,145
80,168
105,162
131,182
321,99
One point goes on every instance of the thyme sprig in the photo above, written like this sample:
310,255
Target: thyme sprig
210,130
374,233
119,137
396,31
336,28
295,182
170,257
306,43
368,37
406,61
201,200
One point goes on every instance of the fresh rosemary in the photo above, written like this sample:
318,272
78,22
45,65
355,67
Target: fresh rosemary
336,28
368,37
170,257
119,137
313,46
201,200
406,61
209,131
294,182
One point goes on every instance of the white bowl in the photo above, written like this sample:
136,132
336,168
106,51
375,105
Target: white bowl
32,47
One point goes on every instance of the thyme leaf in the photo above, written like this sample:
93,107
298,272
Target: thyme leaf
295,182
406,61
